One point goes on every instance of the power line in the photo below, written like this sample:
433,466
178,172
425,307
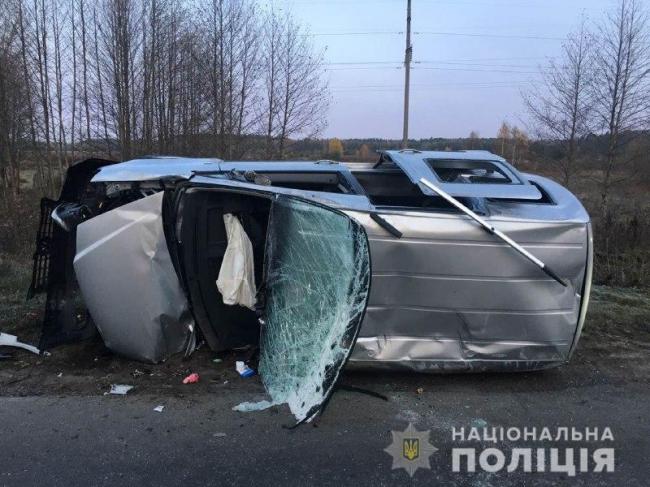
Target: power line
432,87
494,36
363,62
453,63
478,70
447,83
363,68
422,88
435,68
456,34
369,33
461,83
511,58
462,61
489,65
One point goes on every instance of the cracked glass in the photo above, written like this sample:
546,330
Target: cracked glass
317,283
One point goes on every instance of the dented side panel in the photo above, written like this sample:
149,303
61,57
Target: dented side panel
448,295
129,284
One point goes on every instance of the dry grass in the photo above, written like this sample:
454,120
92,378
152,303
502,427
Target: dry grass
619,313
17,315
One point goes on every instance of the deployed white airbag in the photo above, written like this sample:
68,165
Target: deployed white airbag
236,281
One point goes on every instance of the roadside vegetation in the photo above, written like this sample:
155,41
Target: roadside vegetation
619,319
236,80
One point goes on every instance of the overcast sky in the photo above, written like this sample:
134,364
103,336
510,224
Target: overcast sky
459,83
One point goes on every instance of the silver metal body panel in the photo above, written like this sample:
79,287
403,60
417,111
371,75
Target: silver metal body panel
448,296
154,168
129,284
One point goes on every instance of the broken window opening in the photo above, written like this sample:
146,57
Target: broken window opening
392,188
330,182
469,172
202,242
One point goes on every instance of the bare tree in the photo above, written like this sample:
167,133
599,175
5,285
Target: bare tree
272,39
191,95
304,97
57,19
120,33
620,90
73,47
84,64
145,76
215,14
103,119
40,35
520,143
560,106
503,136
245,90
473,139
13,100
27,80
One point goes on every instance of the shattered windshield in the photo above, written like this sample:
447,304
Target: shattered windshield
317,278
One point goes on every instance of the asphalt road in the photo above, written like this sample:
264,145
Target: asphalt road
62,439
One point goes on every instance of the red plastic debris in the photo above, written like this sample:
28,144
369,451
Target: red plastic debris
193,378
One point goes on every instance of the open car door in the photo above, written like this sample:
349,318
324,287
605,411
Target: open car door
312,273
317,272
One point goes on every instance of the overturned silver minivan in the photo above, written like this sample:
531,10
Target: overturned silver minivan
386,264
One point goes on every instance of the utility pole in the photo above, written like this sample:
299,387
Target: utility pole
407,75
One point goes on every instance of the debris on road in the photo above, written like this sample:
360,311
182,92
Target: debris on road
247,407
159,409
7,340
119,389
193,378
479,423
243,369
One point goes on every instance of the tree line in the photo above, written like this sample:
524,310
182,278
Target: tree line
123,78
599,87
